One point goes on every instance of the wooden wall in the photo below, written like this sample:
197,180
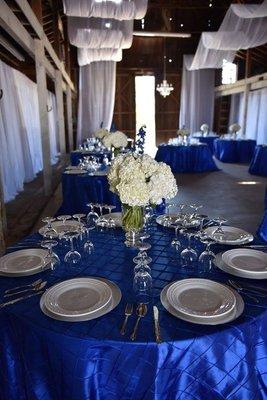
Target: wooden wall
167,110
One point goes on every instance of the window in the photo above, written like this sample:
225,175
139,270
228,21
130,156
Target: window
229,72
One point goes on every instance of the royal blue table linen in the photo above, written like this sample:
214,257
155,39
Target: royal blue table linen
208,140
45,359
77,155
262,230
194,158
234,151
258,165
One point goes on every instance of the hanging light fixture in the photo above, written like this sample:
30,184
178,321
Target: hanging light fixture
164,88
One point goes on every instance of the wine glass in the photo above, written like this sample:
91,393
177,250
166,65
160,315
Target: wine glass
219,231
109,207
52,258
92,216
73,256
142,265
189,255
142,285
142,254
175,243
78,217
207,257
88,246
195,207
48,231
64,218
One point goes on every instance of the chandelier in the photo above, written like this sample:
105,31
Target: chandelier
164,88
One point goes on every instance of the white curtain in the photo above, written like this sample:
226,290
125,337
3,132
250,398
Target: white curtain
20,136
256,127
236,109
197,97
96,97
244,26
120,10
86,56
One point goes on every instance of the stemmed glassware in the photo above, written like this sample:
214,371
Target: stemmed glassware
88,246
52,258
195,207
207,256
142,284
64,218
92,217
78,217
189,255
148,215
49,232
219,231
175,243
73,256
109,207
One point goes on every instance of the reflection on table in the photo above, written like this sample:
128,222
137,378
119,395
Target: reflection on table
77,155
43,358
209,140
234,151
191,158
258,165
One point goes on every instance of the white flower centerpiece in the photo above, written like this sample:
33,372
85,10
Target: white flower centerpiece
204,129
101,133
183,135
234,128
116,140
139,181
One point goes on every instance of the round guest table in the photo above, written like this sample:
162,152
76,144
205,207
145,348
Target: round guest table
77,155
258,165
209,140
234,151
46,359
192,158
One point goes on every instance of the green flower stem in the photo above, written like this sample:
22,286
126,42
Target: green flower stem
132,217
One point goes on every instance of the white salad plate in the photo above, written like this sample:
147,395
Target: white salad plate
195,319
60,227
80,299
173,217
201,297
231,235
246,260
241,272
23,262
117,217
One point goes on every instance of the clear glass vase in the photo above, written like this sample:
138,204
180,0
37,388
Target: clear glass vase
132,223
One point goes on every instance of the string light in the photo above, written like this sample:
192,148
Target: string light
143,23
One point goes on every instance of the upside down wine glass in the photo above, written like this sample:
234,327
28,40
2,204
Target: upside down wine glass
72,257
189,255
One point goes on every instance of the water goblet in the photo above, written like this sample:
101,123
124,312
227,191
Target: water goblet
219,231
48,231
52,258
64,218
195,207
142,265
88,246
189,255
92,216
109,207
72,257
78,217
142,254
207,257
175,243
142,285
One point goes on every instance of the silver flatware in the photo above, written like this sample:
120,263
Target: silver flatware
141,312
33,284
248,288
243,292
156,324
128,312
35,288
8,303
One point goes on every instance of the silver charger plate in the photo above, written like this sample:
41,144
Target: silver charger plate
174,217
75,172
231,235
59,226
116,216
24,262
236,272
238,310
115,300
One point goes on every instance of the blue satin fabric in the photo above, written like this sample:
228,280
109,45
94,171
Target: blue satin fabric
78,190
76,156
45,359
258,165
209,140
234,151
262,230
187,158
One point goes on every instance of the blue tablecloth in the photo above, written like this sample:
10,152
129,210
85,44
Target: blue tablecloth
76,155
45,359
209,140
234,151
187,158
262,230
78,190
258,165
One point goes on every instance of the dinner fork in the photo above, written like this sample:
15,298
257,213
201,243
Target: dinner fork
237,288
128,312
248,289
33,284
2,305
35,288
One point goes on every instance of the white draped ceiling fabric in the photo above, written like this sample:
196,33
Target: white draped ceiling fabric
197,97
20,133
100,29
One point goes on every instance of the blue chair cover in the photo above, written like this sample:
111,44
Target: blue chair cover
258,165
234,151
76,156
46,359
187,158
209,140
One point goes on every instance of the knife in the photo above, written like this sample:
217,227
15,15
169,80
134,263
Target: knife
156,324
7,303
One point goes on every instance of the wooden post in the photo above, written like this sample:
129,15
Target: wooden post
60,112
69,118
42,100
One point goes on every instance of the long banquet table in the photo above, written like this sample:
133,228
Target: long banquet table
46,359
192,158
77,155
234,151
209,140
258,165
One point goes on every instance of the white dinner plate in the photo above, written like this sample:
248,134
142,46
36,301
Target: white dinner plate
235,313
246,260
75,172
23,262
77,297
231,235
201,297
237,272
60,227
173,217
114,301
117,217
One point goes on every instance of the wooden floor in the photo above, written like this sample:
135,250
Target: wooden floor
231,193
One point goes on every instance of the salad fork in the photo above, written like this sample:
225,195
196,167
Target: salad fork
128,312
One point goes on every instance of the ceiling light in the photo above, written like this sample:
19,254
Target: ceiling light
181,25
170,19
248,183
170,60
210,5
164,88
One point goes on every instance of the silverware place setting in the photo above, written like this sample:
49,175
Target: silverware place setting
128,312
156,324
141,312
18,299
243,291
34,288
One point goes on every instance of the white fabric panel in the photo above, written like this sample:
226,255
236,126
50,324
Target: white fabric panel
256,127
197,97
116,9
97,33
96,97
86,56
53,127
236,110
244,26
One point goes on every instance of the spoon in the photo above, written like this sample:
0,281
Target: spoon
35,288
141,312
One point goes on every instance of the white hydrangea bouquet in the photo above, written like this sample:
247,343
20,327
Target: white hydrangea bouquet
234,128
204,128
182,132
116,139
139,180
101,133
